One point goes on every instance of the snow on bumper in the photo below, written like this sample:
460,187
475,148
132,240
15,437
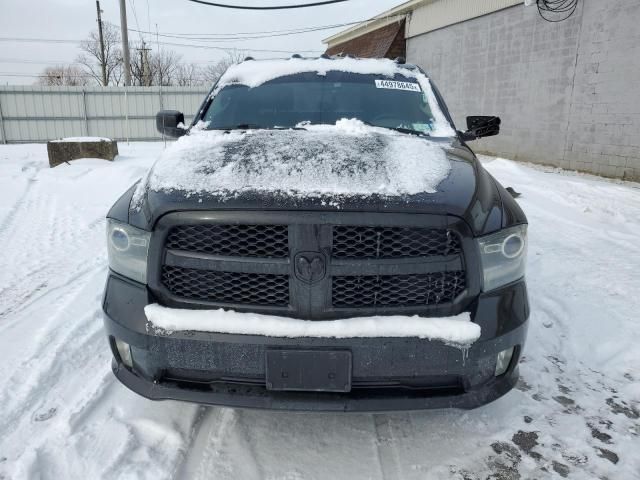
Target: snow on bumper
453,330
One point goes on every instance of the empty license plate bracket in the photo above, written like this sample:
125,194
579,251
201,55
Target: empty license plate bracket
308,370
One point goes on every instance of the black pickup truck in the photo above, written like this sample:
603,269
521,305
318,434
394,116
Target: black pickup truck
292,248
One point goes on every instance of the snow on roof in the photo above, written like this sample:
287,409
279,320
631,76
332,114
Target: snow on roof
458,330
346,159
254,73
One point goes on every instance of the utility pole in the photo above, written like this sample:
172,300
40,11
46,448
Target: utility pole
125,44
103,60
144,62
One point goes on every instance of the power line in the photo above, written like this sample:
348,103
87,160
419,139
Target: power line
211,47
148,16
200,76
292,30
281,7
39,75
135,18
37,62
225,49
37,40
66,62
556,10
244,38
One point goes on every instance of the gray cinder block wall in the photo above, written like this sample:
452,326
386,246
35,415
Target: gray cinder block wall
568,93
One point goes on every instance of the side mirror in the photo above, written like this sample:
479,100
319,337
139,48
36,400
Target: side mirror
481,126
171,123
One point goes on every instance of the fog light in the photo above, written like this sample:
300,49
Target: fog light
503,361
124,350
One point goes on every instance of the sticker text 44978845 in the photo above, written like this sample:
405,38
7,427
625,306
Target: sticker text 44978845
395,85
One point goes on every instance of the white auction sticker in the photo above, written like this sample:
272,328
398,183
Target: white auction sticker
395,85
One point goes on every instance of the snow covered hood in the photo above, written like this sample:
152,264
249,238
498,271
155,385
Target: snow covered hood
348,159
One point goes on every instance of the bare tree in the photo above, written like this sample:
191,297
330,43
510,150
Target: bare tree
189,75
63,75
164,66
91,57
154,68
212,73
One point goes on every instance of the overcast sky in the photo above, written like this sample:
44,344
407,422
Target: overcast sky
74,19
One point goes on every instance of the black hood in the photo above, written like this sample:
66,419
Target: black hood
466,190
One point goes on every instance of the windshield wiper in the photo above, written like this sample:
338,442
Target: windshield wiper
287,128
410,131
255,126
240,126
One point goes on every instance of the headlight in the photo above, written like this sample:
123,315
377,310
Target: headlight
128,247
503,255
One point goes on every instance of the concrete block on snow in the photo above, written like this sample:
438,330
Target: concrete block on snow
68,149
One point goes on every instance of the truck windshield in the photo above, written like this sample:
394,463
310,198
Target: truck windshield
289,101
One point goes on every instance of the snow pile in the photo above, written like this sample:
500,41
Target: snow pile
574,413
349,159
81,139
455,330
255,73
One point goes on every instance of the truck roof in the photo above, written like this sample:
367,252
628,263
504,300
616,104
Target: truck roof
253,73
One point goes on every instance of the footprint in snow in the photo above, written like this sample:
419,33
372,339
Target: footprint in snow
527,441
608,454
43,417
522,385
599,435
561,469
623,407
569,403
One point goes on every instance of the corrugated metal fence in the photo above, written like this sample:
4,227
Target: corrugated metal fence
38,114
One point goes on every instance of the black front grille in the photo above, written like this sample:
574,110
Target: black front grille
392,242
397,290
268,241
367,269
227,287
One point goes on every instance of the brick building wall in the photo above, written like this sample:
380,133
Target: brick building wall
385,42
567,92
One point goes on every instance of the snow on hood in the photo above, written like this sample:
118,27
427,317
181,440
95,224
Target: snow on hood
255,73
458,330
346,159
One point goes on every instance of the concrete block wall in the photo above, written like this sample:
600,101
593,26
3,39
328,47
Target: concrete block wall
568,93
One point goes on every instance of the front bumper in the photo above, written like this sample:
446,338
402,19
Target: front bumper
388,373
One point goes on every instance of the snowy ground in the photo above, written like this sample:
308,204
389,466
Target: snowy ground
63,415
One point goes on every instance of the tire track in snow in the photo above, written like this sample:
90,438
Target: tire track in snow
18,205
63,345
386,446
246,440
199,423
42,236
203,459
29,387
56,388
56,294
